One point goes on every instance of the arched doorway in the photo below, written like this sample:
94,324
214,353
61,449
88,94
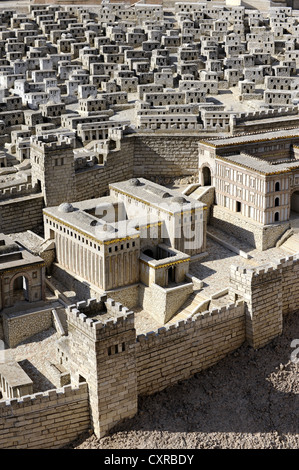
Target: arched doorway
20,289
206,176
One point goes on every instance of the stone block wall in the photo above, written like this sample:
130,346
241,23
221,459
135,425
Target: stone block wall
269,293
47,420
19,327
119,167
179,351
129,296
103,354
261,290
168,156
161,302
19,215
259,236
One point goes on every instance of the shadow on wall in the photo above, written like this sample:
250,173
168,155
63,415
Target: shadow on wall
165,156
247,392
40,382
231,228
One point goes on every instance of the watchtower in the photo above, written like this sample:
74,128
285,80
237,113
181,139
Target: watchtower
100,349
53,167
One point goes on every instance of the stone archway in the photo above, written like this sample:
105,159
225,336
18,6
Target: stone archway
19,288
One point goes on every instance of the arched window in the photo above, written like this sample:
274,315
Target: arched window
276,217
276,201
277,186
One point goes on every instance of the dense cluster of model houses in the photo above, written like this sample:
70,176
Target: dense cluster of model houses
56,56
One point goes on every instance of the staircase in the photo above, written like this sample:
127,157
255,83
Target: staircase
193,301
291,245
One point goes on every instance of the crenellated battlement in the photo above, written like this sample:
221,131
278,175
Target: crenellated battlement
288,261
198,321
267,113
50,143
6,406
19,190
85,315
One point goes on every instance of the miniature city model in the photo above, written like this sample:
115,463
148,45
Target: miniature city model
149,203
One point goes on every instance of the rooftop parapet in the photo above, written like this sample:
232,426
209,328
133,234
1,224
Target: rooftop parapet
79,315
253,274
51,142
197,321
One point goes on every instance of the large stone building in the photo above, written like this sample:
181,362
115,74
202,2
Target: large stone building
256,180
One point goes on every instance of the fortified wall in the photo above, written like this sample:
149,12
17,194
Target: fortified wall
122,365
167,156
163,156
269,293
46,420
21,214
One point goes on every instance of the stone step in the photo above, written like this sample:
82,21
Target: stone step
188,307
291,245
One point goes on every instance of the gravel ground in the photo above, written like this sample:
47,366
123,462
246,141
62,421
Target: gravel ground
249,400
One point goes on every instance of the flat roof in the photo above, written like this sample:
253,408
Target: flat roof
248,138
76,216
260,165
14,375
153,194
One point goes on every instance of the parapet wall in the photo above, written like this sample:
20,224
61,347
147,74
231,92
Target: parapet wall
177,352
19,191
267,114
17,328
100,329
46,420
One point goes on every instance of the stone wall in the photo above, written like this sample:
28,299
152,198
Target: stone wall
179,351
257,235
168,156
208,198
141,155
94,182
110,370
46,420
19,215
20,326
82,288
162,302
269,293
128,296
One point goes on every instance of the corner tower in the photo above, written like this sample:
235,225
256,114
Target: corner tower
53,167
